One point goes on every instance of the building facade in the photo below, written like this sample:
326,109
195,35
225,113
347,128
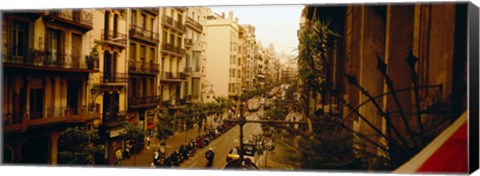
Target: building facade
224,55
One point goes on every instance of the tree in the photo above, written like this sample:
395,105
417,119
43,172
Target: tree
133,133
77,145
164,128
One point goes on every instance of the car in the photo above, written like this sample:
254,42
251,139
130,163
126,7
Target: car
233,154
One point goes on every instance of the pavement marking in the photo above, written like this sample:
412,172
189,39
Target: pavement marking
193,165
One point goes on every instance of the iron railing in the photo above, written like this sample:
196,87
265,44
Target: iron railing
179,26
142,67
142,33
114,77
114,37
194,24
171,75
174,49
133,101
39,58
76,16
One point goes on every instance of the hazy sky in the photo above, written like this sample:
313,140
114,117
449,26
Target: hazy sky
277,24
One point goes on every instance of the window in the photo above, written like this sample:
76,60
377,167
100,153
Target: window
19,38
172,39
143,21
115,25
36,103
143,51
152,24
133,51
54,43
179,42
152,55
76,48
134,17
164,37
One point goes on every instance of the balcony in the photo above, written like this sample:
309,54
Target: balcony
173,77
114,77
47,60
167,21
80,19
194,25
143,34
188,43
179,26
143,102
114,38
170,49
193,71
142,67
114,119
153,11
54,116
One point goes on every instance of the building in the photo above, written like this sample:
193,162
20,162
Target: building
247,35
394,35
172,53
143,66
224,55
47,81
109,86
259,66
195,57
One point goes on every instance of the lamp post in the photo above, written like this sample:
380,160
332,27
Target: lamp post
242,122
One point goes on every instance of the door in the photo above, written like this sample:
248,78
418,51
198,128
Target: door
73,92
76,50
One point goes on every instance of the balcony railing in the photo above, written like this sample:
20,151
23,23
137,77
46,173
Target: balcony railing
47,59
75,17
195,25
55,115
135,101
179,26
167,21
188,42
171,75
114,77
142,67
114,37
173,49
144,34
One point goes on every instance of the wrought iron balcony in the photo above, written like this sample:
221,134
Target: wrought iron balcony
142,67
143,34
167,21
135,102
113,37
47,60
179,26
169,48
188,43
114,77
76,18
194,25
179,76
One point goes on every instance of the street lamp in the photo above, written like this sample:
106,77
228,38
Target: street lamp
242,122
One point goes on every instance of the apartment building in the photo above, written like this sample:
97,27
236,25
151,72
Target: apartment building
247,35
46,81
224,55
172,53
143,66
195,56
259,66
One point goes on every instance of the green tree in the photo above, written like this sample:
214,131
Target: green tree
133,133
164,127
77,145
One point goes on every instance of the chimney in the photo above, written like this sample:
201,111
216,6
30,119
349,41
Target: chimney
230,15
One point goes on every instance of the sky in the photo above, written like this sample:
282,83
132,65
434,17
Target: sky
276,24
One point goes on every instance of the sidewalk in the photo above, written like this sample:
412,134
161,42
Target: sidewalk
145,157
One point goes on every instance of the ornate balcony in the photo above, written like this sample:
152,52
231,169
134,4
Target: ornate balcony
142,67
47,60
50,116
80,19
167,21
143,34
194,25
173,77
188,43
114,77
179,26
142,102
114,38
170,49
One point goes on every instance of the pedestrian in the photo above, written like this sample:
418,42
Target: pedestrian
156,159
209,155
148,143
118,154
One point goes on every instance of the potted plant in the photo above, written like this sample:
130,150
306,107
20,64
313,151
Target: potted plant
91,59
